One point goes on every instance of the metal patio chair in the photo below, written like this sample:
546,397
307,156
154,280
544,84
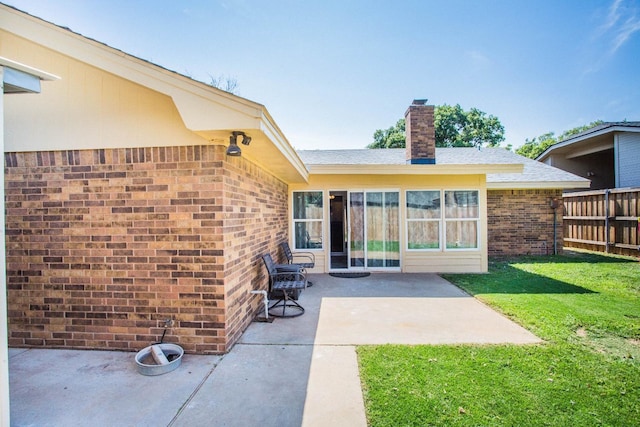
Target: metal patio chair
285,284
303,259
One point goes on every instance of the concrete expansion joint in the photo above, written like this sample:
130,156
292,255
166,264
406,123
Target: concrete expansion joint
195,392
274,344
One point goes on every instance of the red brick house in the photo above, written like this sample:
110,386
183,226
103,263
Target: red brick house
125,206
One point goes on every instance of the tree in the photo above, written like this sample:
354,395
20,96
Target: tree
225,83
454,127
389,138
532,148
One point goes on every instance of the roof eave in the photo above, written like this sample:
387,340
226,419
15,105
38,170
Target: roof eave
611,129
42,75
204,109
542,185
370,169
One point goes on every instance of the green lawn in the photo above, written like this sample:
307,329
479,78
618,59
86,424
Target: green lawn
587,309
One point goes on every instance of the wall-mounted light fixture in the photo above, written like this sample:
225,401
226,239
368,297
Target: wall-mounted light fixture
233,149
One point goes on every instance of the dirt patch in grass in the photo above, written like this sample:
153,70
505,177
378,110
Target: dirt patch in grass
610,345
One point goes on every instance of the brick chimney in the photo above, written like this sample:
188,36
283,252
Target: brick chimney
421,134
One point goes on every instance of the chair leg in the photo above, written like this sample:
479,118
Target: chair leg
285,302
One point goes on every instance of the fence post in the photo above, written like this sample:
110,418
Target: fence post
606,220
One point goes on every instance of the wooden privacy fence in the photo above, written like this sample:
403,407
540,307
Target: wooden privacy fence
603,220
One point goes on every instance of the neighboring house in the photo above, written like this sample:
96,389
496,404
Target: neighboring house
125,205
607,154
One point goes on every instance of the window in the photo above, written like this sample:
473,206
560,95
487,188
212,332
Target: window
423,219
307,219
462,217
429,215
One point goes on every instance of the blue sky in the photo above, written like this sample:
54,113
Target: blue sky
332,72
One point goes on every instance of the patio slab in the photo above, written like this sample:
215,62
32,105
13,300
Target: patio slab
362,321
292,372
100,388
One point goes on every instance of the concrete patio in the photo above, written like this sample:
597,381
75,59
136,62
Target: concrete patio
292,372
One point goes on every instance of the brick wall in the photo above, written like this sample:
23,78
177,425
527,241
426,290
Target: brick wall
104,245
521,222
256,221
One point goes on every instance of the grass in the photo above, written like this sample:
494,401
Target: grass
587,309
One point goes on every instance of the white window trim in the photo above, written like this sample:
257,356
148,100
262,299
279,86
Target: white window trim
442,222
437,220
294,221
445,220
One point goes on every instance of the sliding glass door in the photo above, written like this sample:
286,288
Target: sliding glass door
374,229
356,230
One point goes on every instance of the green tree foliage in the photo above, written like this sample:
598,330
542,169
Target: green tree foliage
532,148
392,137
458,128
454,127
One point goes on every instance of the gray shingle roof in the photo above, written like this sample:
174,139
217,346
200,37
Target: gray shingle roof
534,172
585,136
602,126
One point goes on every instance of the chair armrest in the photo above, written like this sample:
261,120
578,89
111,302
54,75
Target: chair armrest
306,255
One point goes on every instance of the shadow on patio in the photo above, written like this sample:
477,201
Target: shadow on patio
292,372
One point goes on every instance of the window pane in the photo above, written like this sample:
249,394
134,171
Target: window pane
462,234
307,205
356,215
308,235
423,234
383,249
461,204
423,204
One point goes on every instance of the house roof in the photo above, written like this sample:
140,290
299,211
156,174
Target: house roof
527,174
598,137
207,111
213,114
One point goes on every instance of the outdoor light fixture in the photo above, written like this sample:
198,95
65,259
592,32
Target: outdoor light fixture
233,149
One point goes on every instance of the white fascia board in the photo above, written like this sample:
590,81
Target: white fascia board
550,185
273,132
42,75
436,169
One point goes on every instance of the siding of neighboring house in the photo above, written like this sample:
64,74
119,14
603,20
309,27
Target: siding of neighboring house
104,245
628,160
597,167
521,222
